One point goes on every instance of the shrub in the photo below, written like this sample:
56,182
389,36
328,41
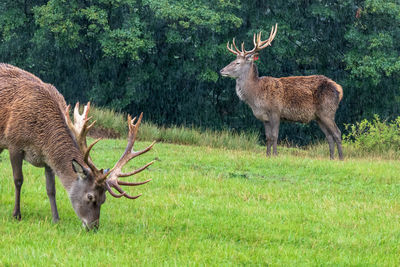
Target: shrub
375,135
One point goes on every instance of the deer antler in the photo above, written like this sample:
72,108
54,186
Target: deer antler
81,126
116,172
258,44
236,51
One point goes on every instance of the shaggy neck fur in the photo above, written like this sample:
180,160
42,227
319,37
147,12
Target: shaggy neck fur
245,83
60,150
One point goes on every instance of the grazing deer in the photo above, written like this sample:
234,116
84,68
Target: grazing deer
35,126
297,98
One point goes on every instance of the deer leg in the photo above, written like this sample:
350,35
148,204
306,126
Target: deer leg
16,158
275,120
268,136
329,138
51,192
338,139
335,132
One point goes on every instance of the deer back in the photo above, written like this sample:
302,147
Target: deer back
32,119
305,97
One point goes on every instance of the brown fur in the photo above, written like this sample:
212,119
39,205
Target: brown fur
33,127
32,121
296,98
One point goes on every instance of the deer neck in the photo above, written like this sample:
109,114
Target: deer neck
59,152
246,84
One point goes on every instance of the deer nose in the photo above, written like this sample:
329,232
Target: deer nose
91,226
94,225
223,72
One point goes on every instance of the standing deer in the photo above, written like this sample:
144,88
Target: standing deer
35,126
297,98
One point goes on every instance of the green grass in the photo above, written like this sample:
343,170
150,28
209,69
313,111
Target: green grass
208,206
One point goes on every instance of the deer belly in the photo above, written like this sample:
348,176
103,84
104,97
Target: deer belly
304,115
34,158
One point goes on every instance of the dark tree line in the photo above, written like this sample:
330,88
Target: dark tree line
162,57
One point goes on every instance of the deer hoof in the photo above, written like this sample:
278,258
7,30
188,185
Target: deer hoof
17,216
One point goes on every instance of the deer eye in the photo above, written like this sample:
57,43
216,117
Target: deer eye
90,197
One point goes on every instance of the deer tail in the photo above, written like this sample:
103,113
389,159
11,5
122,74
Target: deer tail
339,89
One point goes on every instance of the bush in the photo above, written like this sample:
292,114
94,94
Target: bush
375,135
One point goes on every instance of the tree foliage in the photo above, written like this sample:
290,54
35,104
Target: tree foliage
162,57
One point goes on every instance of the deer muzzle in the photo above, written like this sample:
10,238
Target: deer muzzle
223,72
91,226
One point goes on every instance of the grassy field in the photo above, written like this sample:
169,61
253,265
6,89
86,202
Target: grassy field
213,206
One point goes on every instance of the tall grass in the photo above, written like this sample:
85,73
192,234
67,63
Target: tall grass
110,119
366,139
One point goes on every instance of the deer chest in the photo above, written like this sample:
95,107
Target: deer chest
260,113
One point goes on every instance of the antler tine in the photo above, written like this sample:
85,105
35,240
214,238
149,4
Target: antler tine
120,190
81,121
234,45
230,49
137,170
68,119
116,172
263,44
237,52
254,48
80,126
133,184
87,156
258,44
78,118
112,192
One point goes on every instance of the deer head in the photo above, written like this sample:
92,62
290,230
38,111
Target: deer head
244,59
87,193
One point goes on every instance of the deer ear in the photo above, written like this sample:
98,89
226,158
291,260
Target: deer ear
79,169
252,57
